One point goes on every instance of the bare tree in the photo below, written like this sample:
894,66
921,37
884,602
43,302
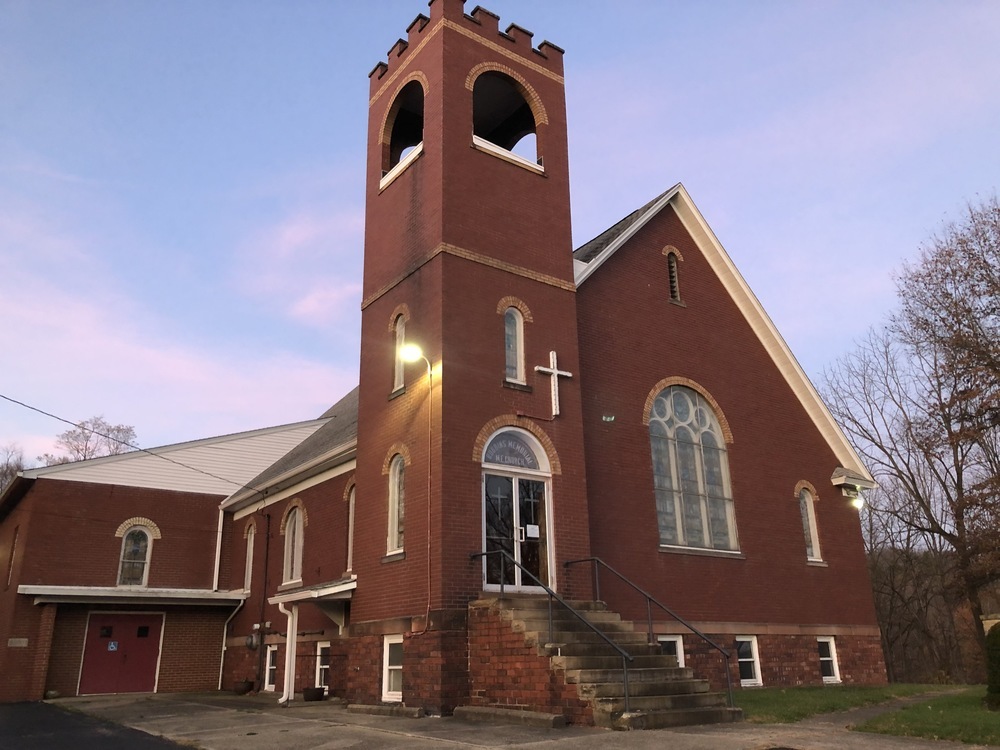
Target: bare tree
920,400
11,462
92,438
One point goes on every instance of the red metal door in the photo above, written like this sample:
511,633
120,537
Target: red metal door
121,653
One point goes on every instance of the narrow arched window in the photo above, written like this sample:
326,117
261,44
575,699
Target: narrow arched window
399,334
136,548
350,531
248,568
694,505
513,342
397,504
807,510
293,546
675,285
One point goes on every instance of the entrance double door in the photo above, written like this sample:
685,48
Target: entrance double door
121,653
515,522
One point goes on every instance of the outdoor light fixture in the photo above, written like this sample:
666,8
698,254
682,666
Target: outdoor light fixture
858,501
411,353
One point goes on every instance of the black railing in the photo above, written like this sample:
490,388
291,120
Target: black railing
598,563
625,655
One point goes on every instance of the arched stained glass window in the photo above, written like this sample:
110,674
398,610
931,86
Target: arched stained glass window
134,567
694,505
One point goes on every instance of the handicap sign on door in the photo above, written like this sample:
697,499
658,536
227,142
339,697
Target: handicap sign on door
112,645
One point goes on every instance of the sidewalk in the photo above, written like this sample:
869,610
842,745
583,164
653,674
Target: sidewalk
222,721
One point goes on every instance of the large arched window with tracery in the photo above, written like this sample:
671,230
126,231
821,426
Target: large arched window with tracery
694,504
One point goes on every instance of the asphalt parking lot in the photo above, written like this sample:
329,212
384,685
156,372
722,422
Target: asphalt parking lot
222,721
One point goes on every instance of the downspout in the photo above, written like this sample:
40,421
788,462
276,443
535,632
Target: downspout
218,553
290,649
225,629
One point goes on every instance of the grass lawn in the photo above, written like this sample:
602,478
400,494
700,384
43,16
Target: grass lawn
958,717
784,705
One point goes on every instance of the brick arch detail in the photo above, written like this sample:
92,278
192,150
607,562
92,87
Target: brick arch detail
251,525
150,526
396,448
512,420
671,249
294,503
518,305
401,309
526,90
351,484
419,77
803,484
727,432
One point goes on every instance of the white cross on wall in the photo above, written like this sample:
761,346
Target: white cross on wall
555,373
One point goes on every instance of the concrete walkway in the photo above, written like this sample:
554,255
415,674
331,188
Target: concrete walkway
221,721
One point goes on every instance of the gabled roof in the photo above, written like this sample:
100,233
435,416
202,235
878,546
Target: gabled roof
591,256
332,444
214,466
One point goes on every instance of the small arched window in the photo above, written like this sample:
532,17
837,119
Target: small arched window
807,510
502,116
293,545
694,505
675,286
248,567
397,504
137,545
399,366
513,342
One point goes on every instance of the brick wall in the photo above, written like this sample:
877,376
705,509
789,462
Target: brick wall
506,673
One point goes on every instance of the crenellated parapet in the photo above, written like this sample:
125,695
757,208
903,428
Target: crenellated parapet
479,23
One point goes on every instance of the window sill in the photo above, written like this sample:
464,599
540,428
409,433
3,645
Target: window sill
394,556
289,585
481,144
701,552
397,393
679,303
818,563
516,386
389,177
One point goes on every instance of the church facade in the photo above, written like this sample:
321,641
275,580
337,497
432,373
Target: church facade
621,423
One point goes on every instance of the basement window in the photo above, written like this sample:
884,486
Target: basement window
828,665
392,669
748,660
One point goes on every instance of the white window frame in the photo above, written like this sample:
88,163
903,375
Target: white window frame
248,569
396,505
294,532
323,671
391,696
145,562
832,659
271,668
517,376
399,365
807,510
350,530
756,681
678,641
673,277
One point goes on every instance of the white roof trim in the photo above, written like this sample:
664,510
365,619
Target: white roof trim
124,595
754,313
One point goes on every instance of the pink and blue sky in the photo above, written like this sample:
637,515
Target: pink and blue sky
181,183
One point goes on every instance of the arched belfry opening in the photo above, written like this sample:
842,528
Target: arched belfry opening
405,124
502,116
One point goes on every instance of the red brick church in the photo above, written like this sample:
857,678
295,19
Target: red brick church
618,429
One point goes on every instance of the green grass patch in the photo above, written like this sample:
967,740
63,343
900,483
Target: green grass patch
960,717
785,705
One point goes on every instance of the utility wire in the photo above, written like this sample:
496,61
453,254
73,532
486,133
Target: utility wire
130,445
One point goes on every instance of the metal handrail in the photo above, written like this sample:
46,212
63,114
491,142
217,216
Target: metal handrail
626,656
650,599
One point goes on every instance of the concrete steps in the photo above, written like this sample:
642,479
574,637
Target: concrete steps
661,694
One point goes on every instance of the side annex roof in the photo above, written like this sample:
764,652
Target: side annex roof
588,258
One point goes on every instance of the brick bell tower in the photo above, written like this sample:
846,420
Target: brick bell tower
479,446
